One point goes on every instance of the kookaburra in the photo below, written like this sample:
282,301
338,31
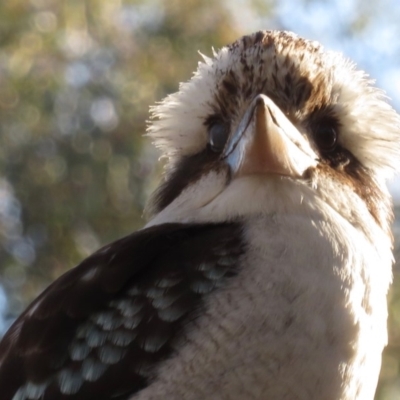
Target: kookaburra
263,270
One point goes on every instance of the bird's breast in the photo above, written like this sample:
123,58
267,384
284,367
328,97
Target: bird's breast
303,319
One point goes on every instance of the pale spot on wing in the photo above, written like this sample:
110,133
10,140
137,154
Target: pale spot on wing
128,307
35,392
216,273
154,292
121,338
227,261
135,291
69,381
79,350
95,337
20,394
205,266
168,282
83,330
132,322
202,286
222,252
92,369
172,313
108,320
154,342
110,355
165,301
30,391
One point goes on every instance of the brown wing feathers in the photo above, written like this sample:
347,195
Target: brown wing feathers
100,329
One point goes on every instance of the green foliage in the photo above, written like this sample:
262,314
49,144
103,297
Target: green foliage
76,81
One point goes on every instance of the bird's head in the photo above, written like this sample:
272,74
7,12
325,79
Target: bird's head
274,123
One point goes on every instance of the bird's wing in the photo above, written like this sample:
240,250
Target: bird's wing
99,331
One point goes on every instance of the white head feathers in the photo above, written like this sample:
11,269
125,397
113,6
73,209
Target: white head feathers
288,68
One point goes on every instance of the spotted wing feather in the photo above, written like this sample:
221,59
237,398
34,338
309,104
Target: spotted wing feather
99,331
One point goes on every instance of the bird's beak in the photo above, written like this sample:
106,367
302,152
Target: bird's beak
267,142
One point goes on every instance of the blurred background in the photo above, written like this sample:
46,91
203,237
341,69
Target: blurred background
76,81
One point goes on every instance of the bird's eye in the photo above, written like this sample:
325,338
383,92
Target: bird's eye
326,138
218,134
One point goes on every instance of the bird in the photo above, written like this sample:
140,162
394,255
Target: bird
263,270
